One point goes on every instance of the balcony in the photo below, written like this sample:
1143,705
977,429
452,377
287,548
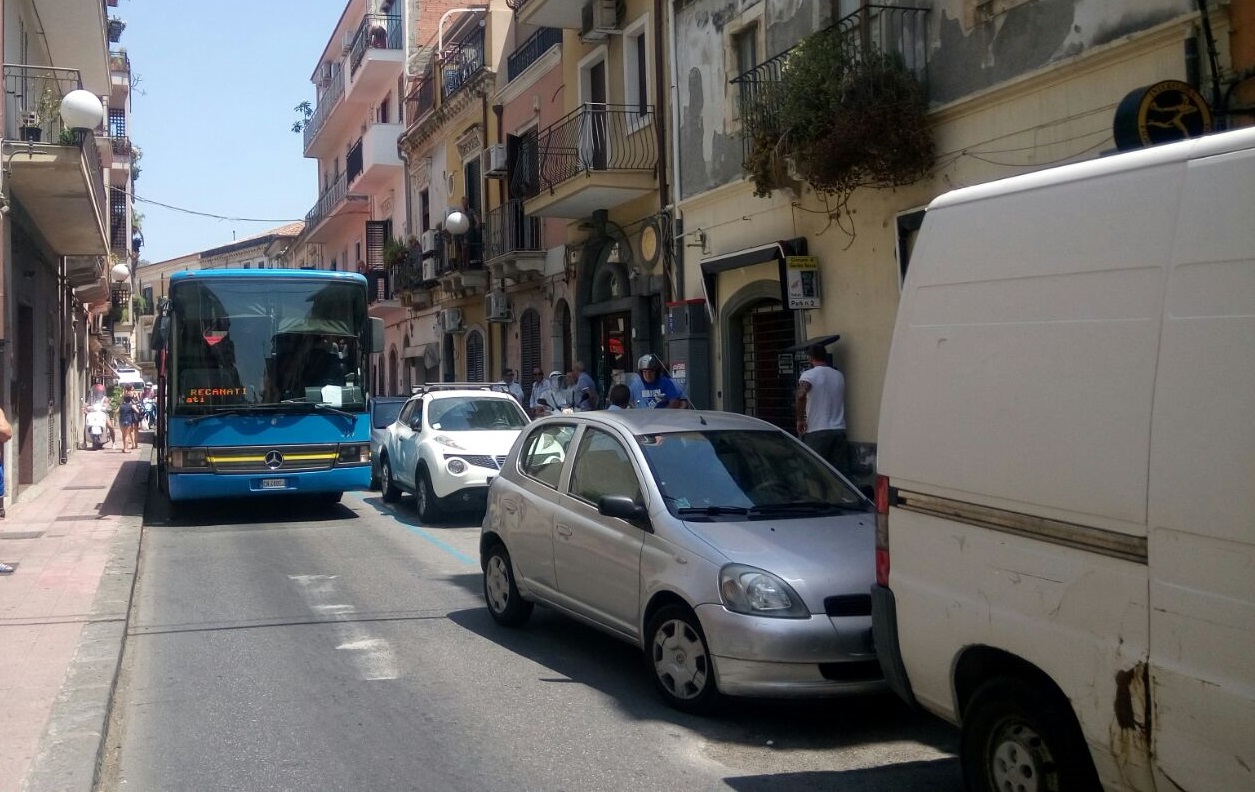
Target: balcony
375,57
327,103
513,247
893,30
53,172
334,211
460,263
378,286
421,100
73,32
530,51
373,160
119,76
612,147
409,285
549,13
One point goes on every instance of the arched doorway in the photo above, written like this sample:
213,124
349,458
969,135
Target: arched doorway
475,356
564,354
392,372
758,371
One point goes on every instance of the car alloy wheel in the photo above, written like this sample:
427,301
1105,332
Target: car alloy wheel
680,661
505,605
428,510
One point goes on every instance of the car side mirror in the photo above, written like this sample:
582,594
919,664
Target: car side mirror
624,508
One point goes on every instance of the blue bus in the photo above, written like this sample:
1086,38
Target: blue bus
262,380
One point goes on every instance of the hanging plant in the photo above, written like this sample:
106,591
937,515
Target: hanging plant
840,119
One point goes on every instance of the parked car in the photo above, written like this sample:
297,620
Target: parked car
383,411
446,446
735,557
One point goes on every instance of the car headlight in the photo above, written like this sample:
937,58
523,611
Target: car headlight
447,441
189,459
754,592
456,466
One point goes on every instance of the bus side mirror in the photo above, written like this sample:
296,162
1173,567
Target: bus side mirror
376,334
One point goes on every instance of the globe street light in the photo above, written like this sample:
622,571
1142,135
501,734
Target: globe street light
457,223
81,110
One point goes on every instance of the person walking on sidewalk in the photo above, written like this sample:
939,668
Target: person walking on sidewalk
6,434
821,409
128,417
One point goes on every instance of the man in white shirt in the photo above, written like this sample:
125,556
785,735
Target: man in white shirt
512,386
821,409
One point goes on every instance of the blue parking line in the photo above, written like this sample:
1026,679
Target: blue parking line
453,551
419,531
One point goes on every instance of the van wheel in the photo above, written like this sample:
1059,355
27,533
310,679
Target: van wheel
387,486
679,660
1017,736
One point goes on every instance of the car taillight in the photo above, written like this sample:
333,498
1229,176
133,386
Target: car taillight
882,492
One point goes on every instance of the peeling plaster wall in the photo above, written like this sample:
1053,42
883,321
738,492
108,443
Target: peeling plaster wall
967,55
710,156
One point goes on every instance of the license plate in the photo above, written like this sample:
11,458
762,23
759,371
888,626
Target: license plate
274,483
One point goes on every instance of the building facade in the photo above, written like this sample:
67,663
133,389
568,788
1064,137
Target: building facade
64,180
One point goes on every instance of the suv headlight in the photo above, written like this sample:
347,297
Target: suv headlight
748,590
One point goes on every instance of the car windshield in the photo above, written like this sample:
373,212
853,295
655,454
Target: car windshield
743,472
469,414
384,413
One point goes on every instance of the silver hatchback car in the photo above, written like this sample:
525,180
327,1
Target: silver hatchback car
736,558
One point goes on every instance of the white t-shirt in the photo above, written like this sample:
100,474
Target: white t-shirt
825,403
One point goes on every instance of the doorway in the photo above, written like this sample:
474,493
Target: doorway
24,399
766,332
612,358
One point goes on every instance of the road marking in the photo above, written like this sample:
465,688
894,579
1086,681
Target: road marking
374,657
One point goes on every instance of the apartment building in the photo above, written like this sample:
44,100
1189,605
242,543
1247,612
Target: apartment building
57,279
1005,87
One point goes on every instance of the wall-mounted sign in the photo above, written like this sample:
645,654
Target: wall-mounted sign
1161,113
802,281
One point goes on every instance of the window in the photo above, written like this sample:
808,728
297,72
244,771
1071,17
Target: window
636,72
412,411
382,114
424,210
601,468
529,350
745,48
543,453
475,356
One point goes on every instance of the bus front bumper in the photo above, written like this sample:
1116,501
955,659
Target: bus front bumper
192,486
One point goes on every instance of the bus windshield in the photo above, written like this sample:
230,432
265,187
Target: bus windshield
266,343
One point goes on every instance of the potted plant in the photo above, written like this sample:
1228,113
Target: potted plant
33,119
115,28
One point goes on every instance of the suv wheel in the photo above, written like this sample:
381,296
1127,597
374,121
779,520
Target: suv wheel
387,485
428,505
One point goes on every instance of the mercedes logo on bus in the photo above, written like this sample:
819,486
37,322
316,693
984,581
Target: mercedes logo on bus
274,460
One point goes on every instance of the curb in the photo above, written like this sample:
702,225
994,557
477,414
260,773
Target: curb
71,750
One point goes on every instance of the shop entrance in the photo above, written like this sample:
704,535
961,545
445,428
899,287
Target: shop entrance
766,332
612,358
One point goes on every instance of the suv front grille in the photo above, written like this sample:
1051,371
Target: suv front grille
481,460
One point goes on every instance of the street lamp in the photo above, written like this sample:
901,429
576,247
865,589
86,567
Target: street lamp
457,222
81,110
120,272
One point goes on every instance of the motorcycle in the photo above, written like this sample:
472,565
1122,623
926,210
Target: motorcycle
97,422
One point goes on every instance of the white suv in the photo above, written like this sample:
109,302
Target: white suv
447,445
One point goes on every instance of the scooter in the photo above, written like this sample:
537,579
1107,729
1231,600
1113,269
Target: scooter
97,427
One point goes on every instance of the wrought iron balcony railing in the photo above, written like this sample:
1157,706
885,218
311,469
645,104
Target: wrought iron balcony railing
377,31
121,145
896,30
378,285
420,100
530,51
328,201
593,137
461,61
508,230
460,253
326,103
353,161
119,61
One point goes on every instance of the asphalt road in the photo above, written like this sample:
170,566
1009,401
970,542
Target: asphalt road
273,646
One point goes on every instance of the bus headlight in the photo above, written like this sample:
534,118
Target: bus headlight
356,454
189,459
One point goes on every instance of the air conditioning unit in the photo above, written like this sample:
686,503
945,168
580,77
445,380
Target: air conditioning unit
346,42
599,19
495,161
325,74
429,242
497,306
429,270
451,320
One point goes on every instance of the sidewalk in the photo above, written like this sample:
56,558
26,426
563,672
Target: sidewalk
74,539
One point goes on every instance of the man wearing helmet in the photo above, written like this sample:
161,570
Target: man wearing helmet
654,388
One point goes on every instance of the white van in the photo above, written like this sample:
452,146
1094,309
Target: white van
1066,490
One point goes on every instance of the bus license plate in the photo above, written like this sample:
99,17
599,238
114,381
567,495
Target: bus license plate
274,483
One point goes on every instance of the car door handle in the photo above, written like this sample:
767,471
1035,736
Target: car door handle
564,531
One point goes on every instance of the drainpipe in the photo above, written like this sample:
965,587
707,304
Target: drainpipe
66,306
673,98
502,197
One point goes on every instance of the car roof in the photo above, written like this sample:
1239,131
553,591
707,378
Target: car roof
472,393
644,421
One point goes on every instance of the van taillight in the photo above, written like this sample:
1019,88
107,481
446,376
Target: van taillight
882,492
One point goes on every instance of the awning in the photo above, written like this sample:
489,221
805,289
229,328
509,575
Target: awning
821,340
747,257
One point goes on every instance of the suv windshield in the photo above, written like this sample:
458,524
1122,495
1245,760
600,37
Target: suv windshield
468,414
739,472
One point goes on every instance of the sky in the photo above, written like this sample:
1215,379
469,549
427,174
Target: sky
212,104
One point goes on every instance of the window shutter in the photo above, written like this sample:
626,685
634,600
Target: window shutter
475,356
376,237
